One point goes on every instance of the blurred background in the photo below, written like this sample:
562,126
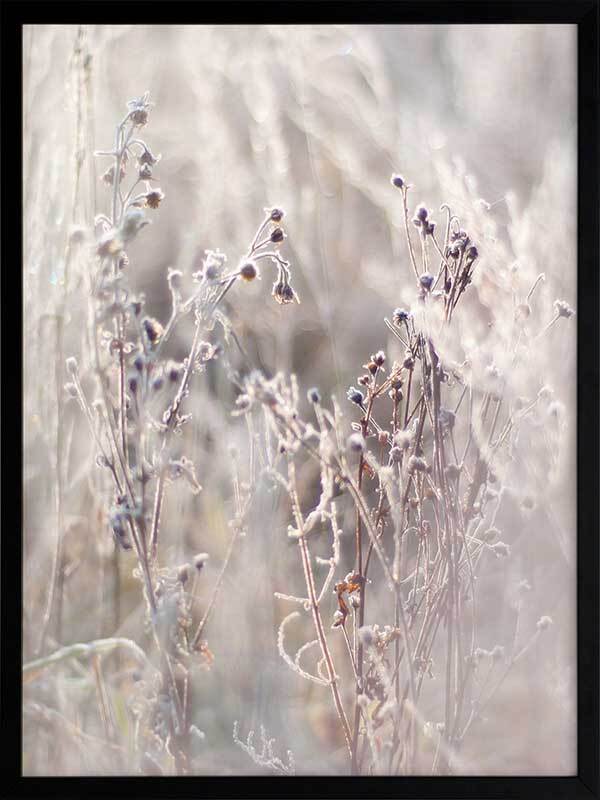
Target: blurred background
313,119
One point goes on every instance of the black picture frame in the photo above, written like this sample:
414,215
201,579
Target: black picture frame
585,14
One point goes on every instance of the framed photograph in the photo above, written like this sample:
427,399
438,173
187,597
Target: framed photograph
306,331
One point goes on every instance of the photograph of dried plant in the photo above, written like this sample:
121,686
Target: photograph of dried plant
299,400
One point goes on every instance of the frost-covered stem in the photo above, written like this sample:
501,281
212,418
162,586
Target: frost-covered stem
172,419
394,585
32,669
358,656
316,613
310,584
216,588
119,323
413,260
158,498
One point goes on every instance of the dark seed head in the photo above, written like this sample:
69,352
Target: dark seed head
355,396
248,271
314,396
426,280
400,315
152,328
200,560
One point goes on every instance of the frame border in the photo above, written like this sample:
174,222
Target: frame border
583,13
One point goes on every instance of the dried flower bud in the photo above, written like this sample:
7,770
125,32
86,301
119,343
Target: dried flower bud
138,110
211,271
200,560
157,384
544,623
421,214
119,531
408,362
367,636
277,235
417,464
154,197
108,177
426,280
137,307
174,279
356,443
355,396
383,438
447,419
77,235
490,535
338,619
400,316
452,472
461,237
173,371
379,358
147,157
403,439
563,309
397,181
249,271
153,329
72,366
276,214
122,261
183,573
243,403
283,293
396,454
314,396
500,549
145,172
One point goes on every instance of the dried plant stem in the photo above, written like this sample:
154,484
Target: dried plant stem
171,422
308,575
411,252
55,592
215,591
34,669
316,613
